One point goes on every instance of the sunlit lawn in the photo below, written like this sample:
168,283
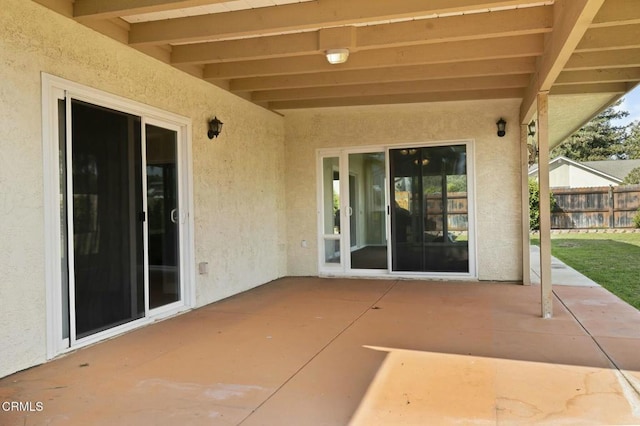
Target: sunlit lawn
611,260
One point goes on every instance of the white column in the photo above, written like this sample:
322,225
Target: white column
545,205
524,175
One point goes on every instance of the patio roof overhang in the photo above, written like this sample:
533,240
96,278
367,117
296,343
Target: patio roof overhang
584,53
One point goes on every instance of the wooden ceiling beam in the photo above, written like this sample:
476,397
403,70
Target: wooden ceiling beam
102,9
626,58
449,85
616,75
508,23
115,28
398,99
161,53
63,7
617,12
606,38
246,49
532,20
296,17
571,20
387,75
614,88
500,48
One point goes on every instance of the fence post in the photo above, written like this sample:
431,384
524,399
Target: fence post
612,210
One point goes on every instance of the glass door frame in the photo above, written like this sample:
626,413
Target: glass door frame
343,268
182,217
323,218
55,89
471,209
346,211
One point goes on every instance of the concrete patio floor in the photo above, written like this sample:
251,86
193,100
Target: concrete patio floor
312,351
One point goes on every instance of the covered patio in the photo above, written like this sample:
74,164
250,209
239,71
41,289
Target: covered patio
319,351
127,215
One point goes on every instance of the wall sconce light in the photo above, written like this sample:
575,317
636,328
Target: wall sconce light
337,56
215,128
532,147
502,125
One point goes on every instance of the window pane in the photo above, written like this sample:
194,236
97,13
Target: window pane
64,248
368,211
331,194
331,251
163,221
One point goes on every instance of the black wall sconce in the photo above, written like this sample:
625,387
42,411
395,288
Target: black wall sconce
531,128
215,128
532,146
502,125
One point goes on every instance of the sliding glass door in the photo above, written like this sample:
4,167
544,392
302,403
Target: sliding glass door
429,217
120,219
353,220
396,211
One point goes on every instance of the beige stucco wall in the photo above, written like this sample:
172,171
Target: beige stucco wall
559,176
565,175
580,178
497,171
238,183
569,176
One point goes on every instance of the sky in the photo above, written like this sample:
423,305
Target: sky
632,104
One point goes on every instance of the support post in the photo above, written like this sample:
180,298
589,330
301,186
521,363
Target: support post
545,205
524,188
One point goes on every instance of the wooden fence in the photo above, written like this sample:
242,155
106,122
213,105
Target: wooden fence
599,207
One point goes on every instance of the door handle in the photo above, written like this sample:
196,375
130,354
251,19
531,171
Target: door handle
174,215
349,211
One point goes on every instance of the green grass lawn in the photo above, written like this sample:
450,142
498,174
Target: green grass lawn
611,260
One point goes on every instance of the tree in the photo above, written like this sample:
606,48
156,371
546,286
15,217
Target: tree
633,178
632,141
599,139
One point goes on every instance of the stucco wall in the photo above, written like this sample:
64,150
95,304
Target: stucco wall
570,176
580,178
497,170
238,183
559,176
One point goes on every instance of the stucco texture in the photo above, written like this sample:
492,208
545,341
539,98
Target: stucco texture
497,170
238,185
570,176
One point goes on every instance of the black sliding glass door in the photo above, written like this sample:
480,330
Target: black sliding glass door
429,209
120,246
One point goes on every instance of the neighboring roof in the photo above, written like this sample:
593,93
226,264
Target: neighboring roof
271,52
615,170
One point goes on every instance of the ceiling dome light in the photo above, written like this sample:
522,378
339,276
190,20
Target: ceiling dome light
337,56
